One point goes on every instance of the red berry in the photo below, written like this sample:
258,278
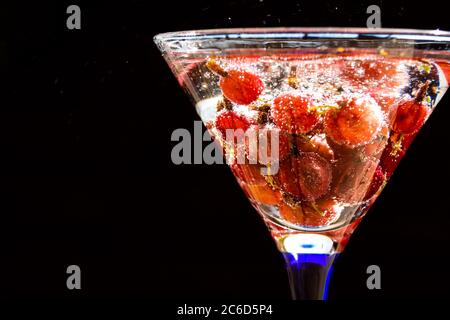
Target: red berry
249,173
314,175
410,117
292,114
342,151
317,144
394,151
261,148
391,158
372,149
356,122
318,129
378,181
293,215
307,176
366,70
241,87
230,120
352,179
263,194
285,178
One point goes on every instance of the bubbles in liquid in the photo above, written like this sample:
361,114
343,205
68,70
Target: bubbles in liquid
364,90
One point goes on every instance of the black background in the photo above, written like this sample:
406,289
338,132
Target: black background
86,178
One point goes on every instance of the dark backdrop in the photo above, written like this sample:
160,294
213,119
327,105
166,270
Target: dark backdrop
86,177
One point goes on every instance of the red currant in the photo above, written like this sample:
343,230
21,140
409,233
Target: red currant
263,194
241,87
292,114
352,179
364,70
378,181
263,135
314,175
307,176
410,117
355,123
231,120
317,144
249,173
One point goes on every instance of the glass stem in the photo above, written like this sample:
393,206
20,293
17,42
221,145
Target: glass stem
309,259
309,274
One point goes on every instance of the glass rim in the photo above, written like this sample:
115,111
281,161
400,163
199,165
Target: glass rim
309,33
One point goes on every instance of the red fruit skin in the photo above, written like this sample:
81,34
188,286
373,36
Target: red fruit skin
305,215
410,117
231,120
293,215
391,157
284,146
314,175
259,133
373,149
318,129
248,173
241,87
389,161
263,194
286,178
378,180
317,144
351,179
356,123
364,70
341,151
307,177
291,114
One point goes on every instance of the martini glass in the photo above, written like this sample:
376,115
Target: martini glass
331,110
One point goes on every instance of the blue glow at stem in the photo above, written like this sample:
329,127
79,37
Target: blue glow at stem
302,264
300,258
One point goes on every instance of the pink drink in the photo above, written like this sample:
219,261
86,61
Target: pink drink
340,137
